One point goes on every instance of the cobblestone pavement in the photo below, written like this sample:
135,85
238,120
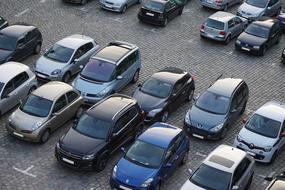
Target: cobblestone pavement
31,166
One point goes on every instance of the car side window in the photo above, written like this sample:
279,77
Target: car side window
272,2
173,147
231,23
125,119
178,86
88,46
234,102
121,68
30,35
8,89
131,59
283,127
240,170
237,20
20,79
59,104
71,96
21,42
80,51
172,4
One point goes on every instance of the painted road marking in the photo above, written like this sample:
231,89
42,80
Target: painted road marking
22,13
25,171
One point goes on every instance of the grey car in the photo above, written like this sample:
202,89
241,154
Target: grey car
44,110
118,5
223,26
65,58
109,71
219,4
254,9
16,82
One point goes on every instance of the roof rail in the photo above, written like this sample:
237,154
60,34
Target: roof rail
122,44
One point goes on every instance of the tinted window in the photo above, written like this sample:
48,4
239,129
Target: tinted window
8,89
59,53
125,119
178,86
122,67
231,23
80,51
20,79
30,36
173,147
156,88
257,30
88,46
154,5
37,106
21,42
59,104
272,2
257,3
237,20
7,42
215,24
240,170
71,96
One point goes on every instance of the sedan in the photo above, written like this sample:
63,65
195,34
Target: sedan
3,23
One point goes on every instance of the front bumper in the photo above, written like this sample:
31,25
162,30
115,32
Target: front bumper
118,185
45,77
201,133
213,5
22,134
150,20
115,8
248,49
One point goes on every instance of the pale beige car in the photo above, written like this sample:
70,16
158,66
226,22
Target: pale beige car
44,110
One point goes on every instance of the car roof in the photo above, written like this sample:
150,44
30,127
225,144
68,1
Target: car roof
265,21
222,16
273,110
10,70
160,134
277,185
74,41
52,90
225,87
225,158
170,75
111,106
16,30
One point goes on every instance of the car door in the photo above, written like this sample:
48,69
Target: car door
30,42
179,91
234,109
21,86
20,49
79,58
8,98
72,103
171,9
131,65
242,174
120,76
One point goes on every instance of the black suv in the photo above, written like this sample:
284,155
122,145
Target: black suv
259,36
160,11
217,109
276,183
3,23
19,41
99,132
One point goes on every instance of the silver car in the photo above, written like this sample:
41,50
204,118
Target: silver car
254,9
65,58
44,110
118,5
219,4
223,26
16,82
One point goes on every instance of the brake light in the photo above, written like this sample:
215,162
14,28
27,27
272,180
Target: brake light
219,1
222,33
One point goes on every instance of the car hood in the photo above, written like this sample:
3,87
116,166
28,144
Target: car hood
188,185
134,174
4,54
258,140
249,10
25,121
250,39
206,120
47,66
115,1
148,102
78,143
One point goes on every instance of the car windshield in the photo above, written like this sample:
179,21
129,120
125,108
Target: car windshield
154,5
215,24
98,70
211,178
7,42
257,30
213,103
59,53
36,106
1,86
156,88
257,3
263,126
93,127
145,154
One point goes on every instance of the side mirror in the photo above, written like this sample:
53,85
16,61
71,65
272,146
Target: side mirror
75,121
268,8
243,120
195,98
123,150
233,110
235,187
168,165
282,134
55,114
5,96
190,172
75,61
269,178
21,101
119,77
139,85
20,46
81,66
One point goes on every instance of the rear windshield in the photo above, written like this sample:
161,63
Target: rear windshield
215,24
154,5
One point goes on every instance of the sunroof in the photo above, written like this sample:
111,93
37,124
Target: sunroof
222,161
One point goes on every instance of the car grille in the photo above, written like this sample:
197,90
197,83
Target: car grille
251,145
246,45
69,154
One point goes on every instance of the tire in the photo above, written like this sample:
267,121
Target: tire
136,76
101,163
263,51
190,95
165,22
158,186
45,136
37,49
79,112
124,9
32,89
185,158
273,158
243,109
164,116
180,12
228,40
224,133
66,77
83,2
278,40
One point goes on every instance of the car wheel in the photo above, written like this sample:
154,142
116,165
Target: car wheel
45,136
278,40
124,9
228,39
32,89
164,116
83,2
190,95
273,158
66,77
158,186
224,133
243,109
165,22
136,76
38,48
79,112
185,158
102,162
226,7
263,51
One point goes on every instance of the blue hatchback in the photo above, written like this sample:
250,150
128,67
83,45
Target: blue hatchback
153,157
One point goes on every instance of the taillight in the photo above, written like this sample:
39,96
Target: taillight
222,33
202,27
219,1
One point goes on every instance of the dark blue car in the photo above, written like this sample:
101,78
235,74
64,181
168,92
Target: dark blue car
152,158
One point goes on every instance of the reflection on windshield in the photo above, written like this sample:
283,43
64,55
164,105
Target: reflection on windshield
36,106
59,53
257,30
156,88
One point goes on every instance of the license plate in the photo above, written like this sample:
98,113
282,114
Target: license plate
17,134
246,49
198,136
68,161
210,35
150,14
251,153
125,188
40,75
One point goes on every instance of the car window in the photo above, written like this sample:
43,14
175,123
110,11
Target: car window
237,20
234,104
123,66
131,59
283,126
59,104
240,170
71,96
20,79
272,2
21,42
88,46
80,51
30,35
8,88
178,87
125,119
231,23
173,147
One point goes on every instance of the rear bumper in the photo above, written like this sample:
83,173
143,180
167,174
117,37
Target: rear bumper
150,20
212,5
216,38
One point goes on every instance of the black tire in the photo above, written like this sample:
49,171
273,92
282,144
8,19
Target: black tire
124,9
101,163
190,95
37,49
228,40
136,76
83,2
185,158
274,156
45,136
66,77
180,12
32,89
263,51
243,109
164,116
224,132
165,22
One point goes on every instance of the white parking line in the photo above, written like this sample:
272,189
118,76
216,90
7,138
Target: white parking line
117,19
153,30
23,12
200,154
42,1
25,171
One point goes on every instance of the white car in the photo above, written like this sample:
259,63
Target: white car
263,134
226,168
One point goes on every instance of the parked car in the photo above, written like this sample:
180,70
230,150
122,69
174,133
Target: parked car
82,2
16,82
117,6
3,23
217,109
254,9
19,41
109,71
153,157
225,168
281,18
99,132
43,111
259,36
160,11
277,183
263,135
65,58
220,4
163,92
283,56
223,26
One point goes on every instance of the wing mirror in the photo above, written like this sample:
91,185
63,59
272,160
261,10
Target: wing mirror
243,120
282,134
55,114
233,110
190,172
168,165
75,61
195,98
123,150
119,77
81,67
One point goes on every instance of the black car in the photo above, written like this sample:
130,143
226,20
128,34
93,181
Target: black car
82,2
160,11
163,92
259,36
19,41
217,109
3,23
277,183
99,132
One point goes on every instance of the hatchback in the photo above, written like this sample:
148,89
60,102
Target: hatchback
16,82
43,111
277,183
220,4
118,5
109,71
226,168
223,26
65,58
153,157
99,132
3,23
19,41
164,92
263,135
217,109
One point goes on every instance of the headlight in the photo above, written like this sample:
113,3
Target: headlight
147,183
238,42
239,138
256,47
88,157
102,93
56,72
36,126
267,148
154,112
217,127
115,171
187,117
